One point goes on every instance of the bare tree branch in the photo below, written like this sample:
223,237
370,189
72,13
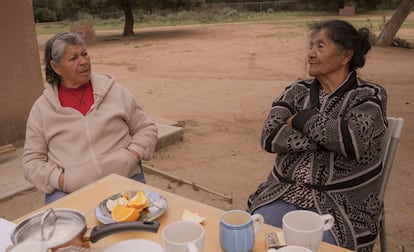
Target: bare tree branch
391,28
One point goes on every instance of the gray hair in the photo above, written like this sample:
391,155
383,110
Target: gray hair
55,49
348,37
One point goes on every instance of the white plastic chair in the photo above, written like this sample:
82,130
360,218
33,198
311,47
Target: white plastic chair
389,147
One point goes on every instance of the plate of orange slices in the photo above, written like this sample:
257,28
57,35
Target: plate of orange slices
131,205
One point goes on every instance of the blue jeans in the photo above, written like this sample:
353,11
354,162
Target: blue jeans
55,195
273,214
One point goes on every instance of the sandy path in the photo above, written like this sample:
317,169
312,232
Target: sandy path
220,80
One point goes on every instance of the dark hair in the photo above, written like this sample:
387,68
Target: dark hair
54,50
346,36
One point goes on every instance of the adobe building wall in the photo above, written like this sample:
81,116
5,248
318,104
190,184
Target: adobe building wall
20,71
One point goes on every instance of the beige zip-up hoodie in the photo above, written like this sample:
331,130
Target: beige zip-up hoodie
86,147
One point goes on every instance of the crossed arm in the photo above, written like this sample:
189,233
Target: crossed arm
295,127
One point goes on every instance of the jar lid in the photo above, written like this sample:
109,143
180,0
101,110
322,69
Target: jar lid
32,246
53,226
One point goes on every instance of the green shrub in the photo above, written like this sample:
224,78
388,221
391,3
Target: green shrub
45,15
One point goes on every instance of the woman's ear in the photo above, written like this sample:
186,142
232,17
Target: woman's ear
347,56
55,67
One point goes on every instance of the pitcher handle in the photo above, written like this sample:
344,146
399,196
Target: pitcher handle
258,222
45,216
192,247
328,221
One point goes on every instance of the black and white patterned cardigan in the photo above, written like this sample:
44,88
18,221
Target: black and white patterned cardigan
343,135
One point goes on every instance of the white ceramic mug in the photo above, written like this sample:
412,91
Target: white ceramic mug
134,245
238,229
183,236
305,228
293,249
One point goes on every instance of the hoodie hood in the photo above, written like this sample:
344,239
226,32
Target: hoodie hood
101,84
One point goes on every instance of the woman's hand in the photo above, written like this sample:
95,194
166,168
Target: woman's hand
135,154
61,181
289,120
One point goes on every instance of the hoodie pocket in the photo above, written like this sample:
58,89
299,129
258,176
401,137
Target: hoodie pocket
79,176
121,162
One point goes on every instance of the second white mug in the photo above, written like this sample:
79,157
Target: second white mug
183,236
294,249
305,228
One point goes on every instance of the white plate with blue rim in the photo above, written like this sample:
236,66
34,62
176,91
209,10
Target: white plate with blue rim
156,207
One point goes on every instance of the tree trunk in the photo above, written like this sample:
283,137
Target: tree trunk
391,28
129,17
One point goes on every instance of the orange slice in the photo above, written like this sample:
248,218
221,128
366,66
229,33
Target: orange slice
123,213
139,201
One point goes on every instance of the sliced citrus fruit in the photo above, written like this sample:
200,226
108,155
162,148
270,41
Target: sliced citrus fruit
110,204
139,201
124,213
125,195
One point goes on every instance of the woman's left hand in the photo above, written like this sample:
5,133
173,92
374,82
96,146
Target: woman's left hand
135,154
61,181
289,120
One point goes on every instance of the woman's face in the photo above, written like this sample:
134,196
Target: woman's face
325,58
74,67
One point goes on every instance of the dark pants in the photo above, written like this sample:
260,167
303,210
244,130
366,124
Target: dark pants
55,195
273,214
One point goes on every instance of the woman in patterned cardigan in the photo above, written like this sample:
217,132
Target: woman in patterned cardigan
327,134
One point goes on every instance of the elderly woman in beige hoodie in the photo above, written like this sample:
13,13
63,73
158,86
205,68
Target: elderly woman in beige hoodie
84,126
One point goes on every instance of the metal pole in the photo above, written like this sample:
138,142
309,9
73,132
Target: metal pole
195,186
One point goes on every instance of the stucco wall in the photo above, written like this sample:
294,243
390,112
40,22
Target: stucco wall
20,71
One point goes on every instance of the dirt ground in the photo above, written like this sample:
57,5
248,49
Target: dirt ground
219,81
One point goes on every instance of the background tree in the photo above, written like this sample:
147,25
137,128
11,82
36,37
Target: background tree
385,38
334,6
71,8
58,10
47,10
128,6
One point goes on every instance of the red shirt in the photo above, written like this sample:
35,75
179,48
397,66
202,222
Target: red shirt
80,98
